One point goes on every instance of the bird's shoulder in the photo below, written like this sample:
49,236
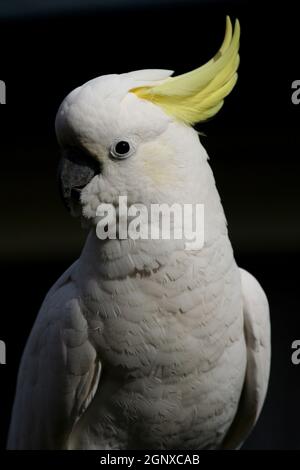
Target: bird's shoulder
60,367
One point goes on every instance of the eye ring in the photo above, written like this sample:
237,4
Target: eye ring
121,149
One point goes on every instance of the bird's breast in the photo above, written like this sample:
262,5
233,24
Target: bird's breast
167,319
172,347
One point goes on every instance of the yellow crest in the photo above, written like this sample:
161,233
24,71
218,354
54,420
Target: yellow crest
198,95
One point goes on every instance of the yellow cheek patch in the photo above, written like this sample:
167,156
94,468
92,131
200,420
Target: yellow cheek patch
158,163
198,95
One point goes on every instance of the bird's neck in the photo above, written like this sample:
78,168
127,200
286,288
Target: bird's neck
117,259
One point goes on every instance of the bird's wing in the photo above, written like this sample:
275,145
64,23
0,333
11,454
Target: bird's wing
59,373
257,336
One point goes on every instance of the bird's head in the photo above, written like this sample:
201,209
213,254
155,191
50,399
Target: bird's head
131,134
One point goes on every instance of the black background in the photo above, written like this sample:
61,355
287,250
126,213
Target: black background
253,146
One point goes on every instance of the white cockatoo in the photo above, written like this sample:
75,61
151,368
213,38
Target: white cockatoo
143,344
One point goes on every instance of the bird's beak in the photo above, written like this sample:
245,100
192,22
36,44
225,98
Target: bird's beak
75,171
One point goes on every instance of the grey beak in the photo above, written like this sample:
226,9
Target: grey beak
76,169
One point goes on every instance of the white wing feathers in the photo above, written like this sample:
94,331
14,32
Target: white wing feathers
257,336
59,373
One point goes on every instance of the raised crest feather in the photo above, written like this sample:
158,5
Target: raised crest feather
198,95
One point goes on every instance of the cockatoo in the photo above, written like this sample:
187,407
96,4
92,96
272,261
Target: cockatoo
142,344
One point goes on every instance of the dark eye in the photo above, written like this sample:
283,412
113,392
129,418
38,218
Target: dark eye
121,149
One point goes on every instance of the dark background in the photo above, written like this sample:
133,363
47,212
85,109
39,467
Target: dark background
47,49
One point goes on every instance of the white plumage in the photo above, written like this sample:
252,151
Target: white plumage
143,344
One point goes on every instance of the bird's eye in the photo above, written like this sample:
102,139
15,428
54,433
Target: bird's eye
121,149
